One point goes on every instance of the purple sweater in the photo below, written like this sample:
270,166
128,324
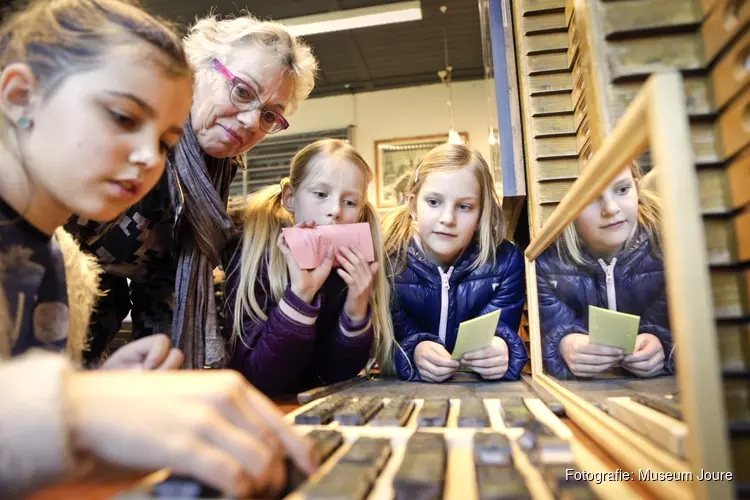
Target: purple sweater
300,345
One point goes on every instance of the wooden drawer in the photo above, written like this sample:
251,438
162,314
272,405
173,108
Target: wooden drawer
573,32
643,56
728,238
550,42
580,112
699,99
545,23
547,63
556,125
569,12
741,455
579,70
734,125
573,51
545,211
738,173
565,168
732,72
729,289
706,143
555,147
584,157
551,104
583,136
579,88
736,400
553,191
619,18
537,6
550,84
726,20
708,5
734,346
725,189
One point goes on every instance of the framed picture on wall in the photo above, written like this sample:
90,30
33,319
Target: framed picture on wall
395,162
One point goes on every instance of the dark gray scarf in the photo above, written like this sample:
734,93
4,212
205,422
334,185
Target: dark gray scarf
199,186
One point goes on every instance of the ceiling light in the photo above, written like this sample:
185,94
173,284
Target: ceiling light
354,18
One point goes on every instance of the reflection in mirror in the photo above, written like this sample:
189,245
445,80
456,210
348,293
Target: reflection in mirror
602,296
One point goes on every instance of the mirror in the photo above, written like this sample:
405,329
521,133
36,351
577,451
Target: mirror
602,298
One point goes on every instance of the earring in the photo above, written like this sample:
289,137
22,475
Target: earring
24,122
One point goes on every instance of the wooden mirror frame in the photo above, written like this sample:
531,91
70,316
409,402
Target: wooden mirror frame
656,118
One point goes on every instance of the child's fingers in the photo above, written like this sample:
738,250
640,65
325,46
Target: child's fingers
481,353
361,261
281,242
350,256
361,267
640,355
432,369
374,268
439,356
324,269
587,370
442,359
601,350
359,255
345,276
487,362
645,364
493,372
639,366
646,373
173,362
348,262
443,362
594,359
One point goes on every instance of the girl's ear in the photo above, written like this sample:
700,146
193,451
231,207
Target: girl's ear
287,197
18,86
412,201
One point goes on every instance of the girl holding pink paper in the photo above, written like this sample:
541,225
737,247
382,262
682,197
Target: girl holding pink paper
294,328
451,263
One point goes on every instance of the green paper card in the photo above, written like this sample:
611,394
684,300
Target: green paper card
613,328
475,334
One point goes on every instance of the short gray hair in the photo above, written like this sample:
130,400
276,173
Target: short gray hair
211,37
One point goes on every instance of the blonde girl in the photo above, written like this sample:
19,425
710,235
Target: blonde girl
295,328
450,263
610,257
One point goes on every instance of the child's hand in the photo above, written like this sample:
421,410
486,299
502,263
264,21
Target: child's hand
359,276
434,362
585,359
305,283
149,353
489,362
209,424
647,359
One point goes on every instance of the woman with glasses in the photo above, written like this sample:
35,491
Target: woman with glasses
159,255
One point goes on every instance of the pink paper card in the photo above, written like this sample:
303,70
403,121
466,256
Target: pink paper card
309,245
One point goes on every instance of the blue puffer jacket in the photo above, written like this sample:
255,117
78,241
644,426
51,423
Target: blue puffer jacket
566,290
417,299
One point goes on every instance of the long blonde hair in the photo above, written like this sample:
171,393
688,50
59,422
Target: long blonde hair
263,217
399,228
569,243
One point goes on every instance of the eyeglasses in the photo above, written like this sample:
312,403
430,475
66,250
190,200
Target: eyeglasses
244,97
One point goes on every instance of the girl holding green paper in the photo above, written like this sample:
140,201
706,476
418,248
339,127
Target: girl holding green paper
450,262
611,258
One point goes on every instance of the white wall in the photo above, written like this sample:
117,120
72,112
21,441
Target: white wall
405,112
